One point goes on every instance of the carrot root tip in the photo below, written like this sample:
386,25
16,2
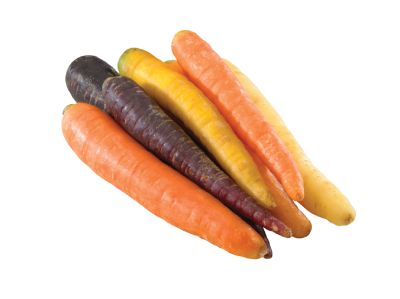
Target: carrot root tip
288,233
268,255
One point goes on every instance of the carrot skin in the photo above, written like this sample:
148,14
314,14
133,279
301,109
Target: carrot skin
84,78
144,120
210,73
111,153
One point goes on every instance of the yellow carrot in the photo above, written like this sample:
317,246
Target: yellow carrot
322,197
174,92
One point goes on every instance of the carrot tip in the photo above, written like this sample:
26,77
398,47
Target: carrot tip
296,195
66,108
183,32
287,233
299,197
268,255
349,219
266,252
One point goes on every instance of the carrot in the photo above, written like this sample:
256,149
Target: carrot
285,210
84,78
209,72
112,154
322,197
144,120
174,92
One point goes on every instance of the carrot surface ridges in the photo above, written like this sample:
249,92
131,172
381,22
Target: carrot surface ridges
322,197
144,120
209,72
84,79
174,92
111,153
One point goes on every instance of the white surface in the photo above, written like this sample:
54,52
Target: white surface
331,70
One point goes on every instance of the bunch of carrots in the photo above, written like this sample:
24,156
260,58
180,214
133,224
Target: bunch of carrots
196,143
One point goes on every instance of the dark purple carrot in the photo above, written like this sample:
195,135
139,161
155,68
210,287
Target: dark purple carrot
145,120
84,79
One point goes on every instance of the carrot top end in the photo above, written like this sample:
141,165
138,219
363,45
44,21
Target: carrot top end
183,34
184,31
122,61
125,62
67,108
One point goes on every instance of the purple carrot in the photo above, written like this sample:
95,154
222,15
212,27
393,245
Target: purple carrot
145,120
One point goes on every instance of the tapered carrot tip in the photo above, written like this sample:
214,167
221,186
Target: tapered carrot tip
286,232
268,255
266,251
350,218
277,226
294,185
295,192
299,196
305,232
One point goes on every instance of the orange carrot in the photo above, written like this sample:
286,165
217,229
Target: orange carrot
285,209
111,153
210,73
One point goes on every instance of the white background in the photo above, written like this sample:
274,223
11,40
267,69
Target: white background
332,69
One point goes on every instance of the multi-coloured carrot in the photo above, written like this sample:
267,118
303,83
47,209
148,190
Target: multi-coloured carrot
209,72
174,92
112,154
285,209
144,120
322,197
84,78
